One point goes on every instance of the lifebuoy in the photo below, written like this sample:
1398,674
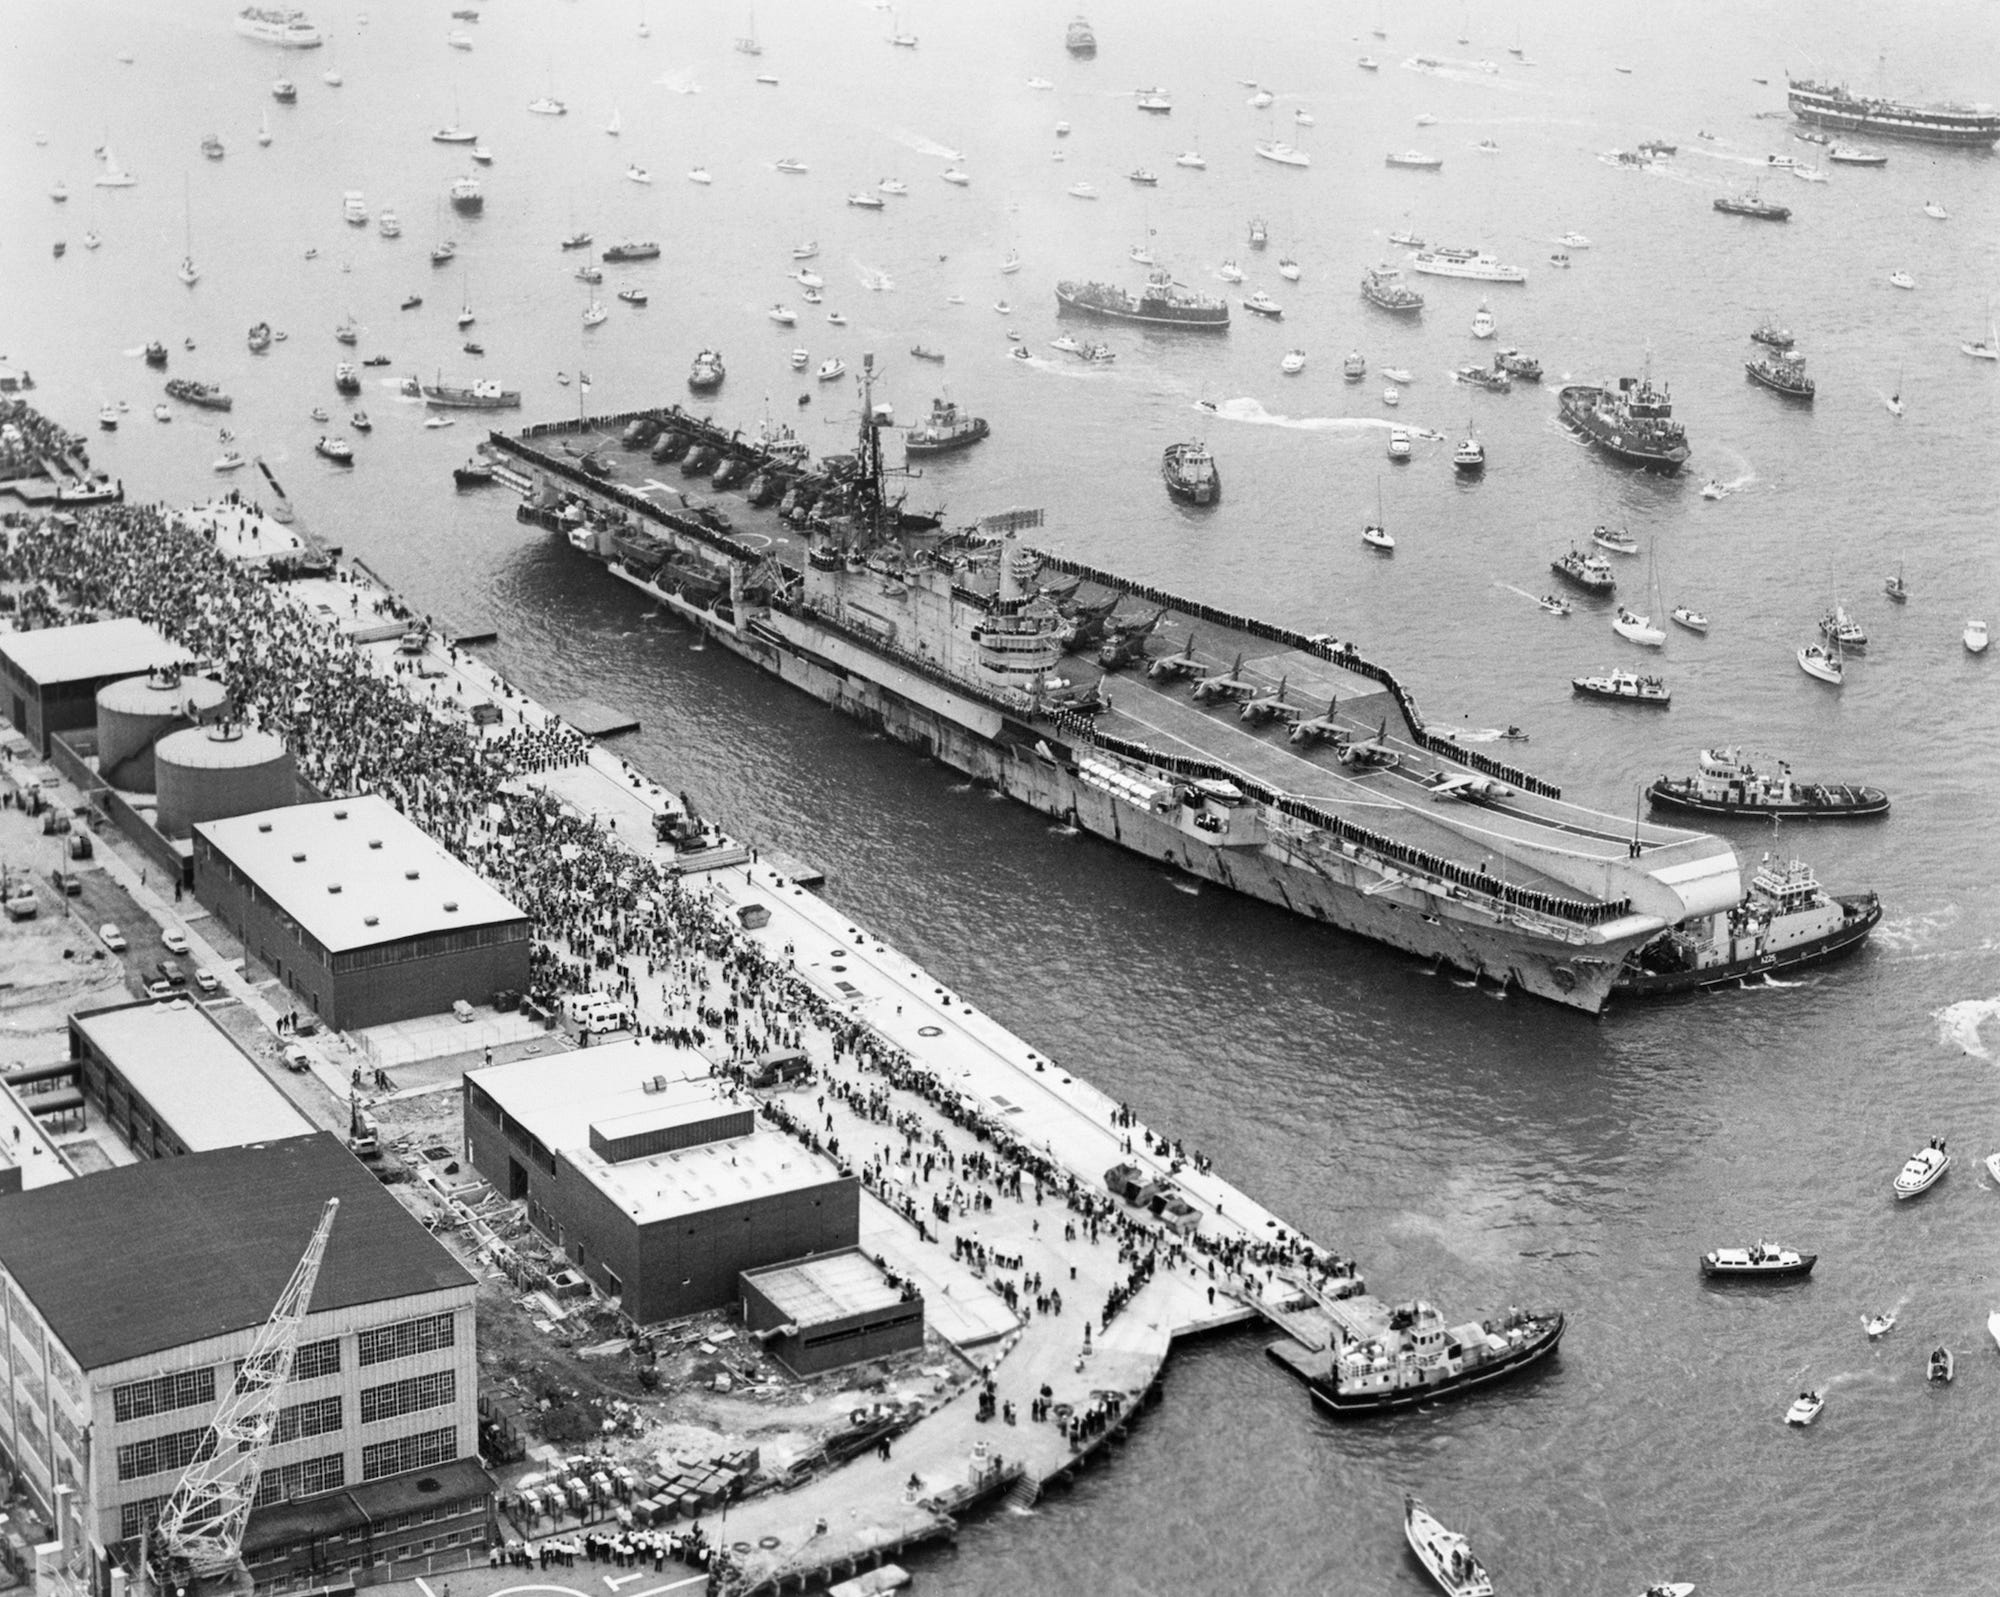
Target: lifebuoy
767,1542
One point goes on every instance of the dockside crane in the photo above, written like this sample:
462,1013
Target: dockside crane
200,1533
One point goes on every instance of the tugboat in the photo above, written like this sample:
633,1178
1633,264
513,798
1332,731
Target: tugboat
707,371
1726,785
1627,687
1590,572
1633,421
1444,1553
947,429
1420,1359
1383,287
1763,1261
473,474
1785,921
1753,204
1189,472
1783,373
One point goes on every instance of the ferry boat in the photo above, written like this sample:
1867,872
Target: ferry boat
1590,572
707,371
485,394
1162,302
1188,470
1632,421
1475,264
1626,687
1923,1170
206,395
287,28
948,428
1786,920
1550,903
1763,1261
1420,1359
1383,287
1445,1554
1725,785
1754,205
1832,105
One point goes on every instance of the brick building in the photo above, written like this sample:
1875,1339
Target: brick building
50,677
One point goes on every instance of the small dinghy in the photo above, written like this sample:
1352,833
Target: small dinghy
1693,620
1805,1409
1878,1325
1942,1366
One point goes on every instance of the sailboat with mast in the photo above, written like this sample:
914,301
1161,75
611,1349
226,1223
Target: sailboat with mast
113,176
1639,629
264,130
189,273
1377,534
465,316
748,45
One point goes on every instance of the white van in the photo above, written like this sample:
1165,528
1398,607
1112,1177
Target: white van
594,1012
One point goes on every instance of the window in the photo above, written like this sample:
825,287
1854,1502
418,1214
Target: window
419,1392
306,1478
316,1359
405,1453
307,1419
405,1338
163,1394
156,1454
135,1519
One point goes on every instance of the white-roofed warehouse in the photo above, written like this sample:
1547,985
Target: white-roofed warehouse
359,911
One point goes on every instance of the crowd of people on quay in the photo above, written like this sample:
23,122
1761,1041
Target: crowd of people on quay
27,437
611,917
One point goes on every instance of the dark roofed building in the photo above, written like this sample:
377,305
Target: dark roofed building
132,1296
50,677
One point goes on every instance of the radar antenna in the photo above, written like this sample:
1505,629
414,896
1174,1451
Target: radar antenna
200,1533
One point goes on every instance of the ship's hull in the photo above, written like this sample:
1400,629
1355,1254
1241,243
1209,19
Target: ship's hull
1198,322
458,399
1398,307
982,744
945,443
1579,417
1639,983
1865,802
1468,270
1761,1272
1897,122
1352,1405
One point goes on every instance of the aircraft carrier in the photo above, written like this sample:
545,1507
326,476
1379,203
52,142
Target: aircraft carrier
1289,767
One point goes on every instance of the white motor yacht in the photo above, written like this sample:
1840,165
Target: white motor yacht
1923,1169
1805,1409
1975,643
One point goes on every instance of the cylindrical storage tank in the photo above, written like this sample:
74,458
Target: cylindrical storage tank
135,713
209,773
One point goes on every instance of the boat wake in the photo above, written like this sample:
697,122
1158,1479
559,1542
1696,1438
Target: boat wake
1486,72
912,140
1908,933
1181,884
1959,1024
1768,984
1249,410
1477,734
873,278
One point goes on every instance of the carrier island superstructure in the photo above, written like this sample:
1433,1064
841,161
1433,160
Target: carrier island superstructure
1289,767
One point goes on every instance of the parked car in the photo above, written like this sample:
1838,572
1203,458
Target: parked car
205,980
159,987
67,883
111,937
175,939
297,1059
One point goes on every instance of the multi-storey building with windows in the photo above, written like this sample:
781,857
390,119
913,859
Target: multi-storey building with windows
131,1299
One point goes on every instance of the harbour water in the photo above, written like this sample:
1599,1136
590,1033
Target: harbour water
1480,1151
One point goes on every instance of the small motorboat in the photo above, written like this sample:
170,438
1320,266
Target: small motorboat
337,450
955,177
1668,1588
1922,1170
1691,619
813,296
862,200
372,360
448,421
1288,268
1083,191
1400,375
1229,272
1004,309
791,166
699,174
1293,363
360,423
1188,158
1556,605
1878,1325
806,277
893,185
1936,212
835,319
107,418
1399,444
1144,177
1021,354
1354,367
632,296
1942,1366
1482,323
830,368
1617,539
1712,489
473,347
1470,456
800,358
1261,304
1817,660
1805,1409
317,413
1377,537
1560,261
783,315
1975,636
1392,396
161,413
638,174
229,460
1574,241
1446,1554
1635,628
